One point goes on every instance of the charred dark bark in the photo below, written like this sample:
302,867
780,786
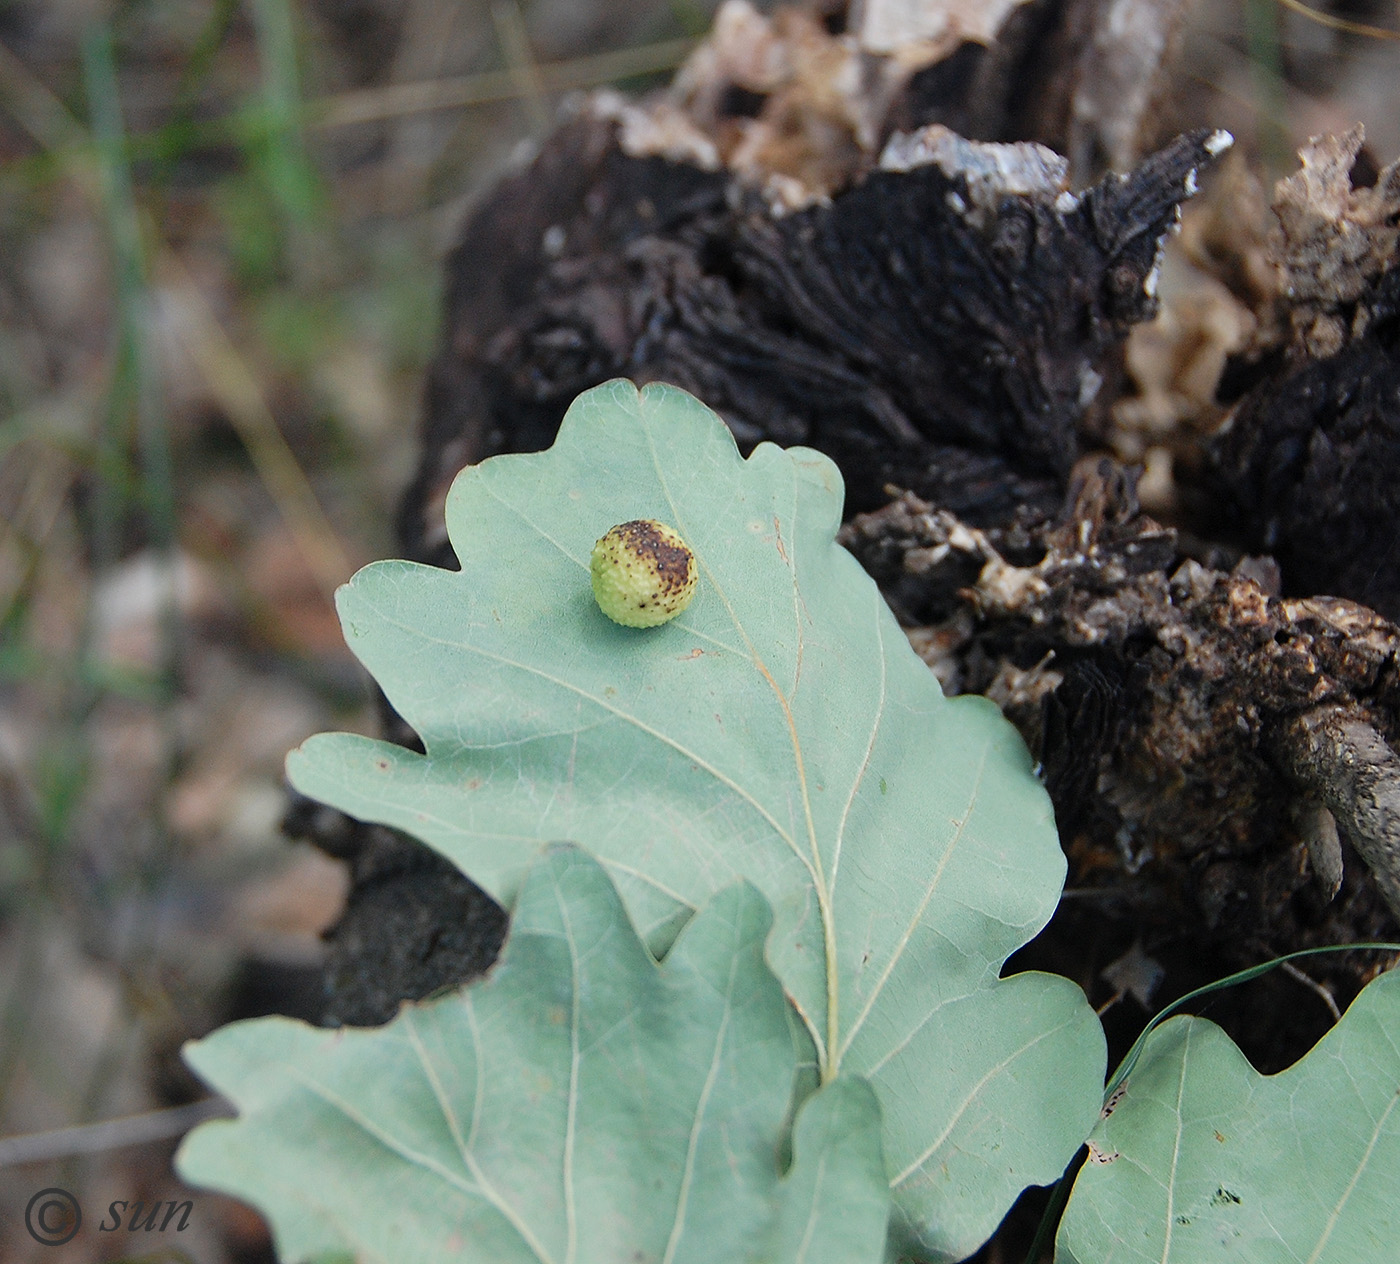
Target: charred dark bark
1311,462
413,923
922,329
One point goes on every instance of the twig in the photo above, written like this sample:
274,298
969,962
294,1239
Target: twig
110,1134
520,61
1335,754
1309,982
369,105
232,383
35,107
1339,24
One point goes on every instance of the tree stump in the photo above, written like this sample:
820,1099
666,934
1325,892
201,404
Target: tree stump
875,249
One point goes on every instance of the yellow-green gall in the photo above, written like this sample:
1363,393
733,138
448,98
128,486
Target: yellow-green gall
643,574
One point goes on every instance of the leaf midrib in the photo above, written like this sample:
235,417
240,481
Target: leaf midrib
827,1049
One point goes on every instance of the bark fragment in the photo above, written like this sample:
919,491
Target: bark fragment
1335,241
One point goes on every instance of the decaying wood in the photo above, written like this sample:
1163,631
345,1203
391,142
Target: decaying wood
1183,714
1309,461
797,233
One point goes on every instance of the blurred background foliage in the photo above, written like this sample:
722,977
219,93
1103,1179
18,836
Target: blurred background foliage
222,225
221,232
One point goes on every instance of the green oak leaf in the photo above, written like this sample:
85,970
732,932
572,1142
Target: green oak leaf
780,730
579,1105
1203,1160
